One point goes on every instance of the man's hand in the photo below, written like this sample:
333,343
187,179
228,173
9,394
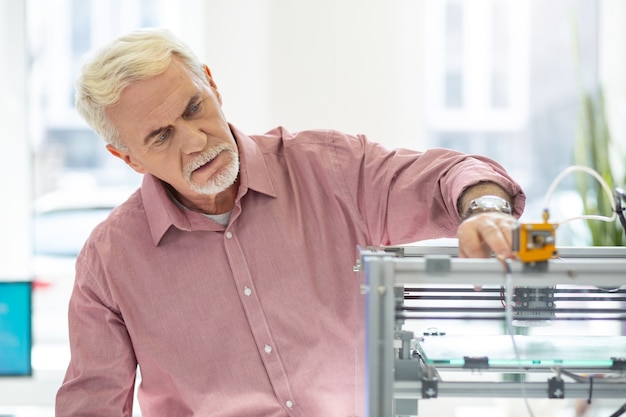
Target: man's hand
486,233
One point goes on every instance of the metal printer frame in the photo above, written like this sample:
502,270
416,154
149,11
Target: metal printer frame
398,370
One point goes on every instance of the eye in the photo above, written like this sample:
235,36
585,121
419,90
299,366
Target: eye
192,109
162,136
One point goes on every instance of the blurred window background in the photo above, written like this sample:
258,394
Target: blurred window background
68,154
503,80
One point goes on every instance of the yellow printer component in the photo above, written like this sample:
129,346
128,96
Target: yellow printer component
535,242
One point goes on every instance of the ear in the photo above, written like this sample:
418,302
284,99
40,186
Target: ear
209,77
125,156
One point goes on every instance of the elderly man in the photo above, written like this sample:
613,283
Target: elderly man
227,277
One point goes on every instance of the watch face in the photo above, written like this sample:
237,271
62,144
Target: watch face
488,203
491,203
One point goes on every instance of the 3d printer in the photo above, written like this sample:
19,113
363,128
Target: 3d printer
544,285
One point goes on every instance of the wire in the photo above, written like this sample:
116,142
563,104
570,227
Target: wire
508,292
597,176
620,411
611,378
619,208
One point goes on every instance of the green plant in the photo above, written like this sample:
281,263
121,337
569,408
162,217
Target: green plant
593,149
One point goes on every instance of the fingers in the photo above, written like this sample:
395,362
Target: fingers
486,233
471,244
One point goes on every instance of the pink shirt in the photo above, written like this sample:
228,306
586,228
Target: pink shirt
262,317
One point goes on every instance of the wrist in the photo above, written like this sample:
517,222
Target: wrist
487,204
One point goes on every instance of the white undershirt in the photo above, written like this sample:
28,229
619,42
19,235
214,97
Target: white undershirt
222,219
219,218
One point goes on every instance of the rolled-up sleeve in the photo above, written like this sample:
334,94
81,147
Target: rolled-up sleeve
407,194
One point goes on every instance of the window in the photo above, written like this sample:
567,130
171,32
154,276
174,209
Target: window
61,33
501,81
477,65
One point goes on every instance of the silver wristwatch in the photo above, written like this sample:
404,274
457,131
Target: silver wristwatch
488,203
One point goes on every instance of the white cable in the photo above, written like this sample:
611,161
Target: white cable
508,296
597,176
589,217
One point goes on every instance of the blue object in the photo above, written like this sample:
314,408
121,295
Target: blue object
15,328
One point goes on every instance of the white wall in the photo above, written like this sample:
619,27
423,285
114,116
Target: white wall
15,164
352,65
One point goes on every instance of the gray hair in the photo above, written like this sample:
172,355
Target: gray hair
139,55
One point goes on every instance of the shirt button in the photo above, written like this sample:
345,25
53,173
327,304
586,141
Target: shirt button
268,349
247,291
229,235
289,404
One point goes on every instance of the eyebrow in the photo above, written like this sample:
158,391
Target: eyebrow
158,130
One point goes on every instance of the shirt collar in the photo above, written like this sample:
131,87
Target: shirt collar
162,212
253,172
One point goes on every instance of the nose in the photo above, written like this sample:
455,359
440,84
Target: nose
192,138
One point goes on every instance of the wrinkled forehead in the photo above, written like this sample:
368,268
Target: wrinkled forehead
152,103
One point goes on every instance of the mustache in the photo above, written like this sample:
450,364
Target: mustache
205,157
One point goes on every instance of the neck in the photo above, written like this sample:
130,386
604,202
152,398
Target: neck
220,203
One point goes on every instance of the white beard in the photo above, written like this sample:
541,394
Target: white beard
217,183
